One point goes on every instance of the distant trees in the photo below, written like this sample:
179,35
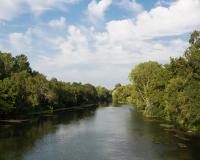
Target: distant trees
23,90
104,95
122,94
170,91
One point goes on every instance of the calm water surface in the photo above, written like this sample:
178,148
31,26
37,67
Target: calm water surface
105,133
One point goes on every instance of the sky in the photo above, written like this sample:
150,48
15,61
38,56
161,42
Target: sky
96,41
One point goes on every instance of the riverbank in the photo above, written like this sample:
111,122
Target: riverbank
63,109
15,120
170,126
166,124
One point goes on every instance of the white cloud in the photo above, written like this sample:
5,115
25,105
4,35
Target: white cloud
96,10
181,17
85,54
164,2
9,9
131,5
39,6
57,23
15,39
105,76
20,42
104,59
73,50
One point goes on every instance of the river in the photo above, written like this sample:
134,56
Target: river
103,133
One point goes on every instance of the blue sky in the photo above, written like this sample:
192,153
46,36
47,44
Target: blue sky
96,41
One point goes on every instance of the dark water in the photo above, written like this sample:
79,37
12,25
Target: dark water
105,133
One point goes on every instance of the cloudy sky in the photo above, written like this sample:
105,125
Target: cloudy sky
96,41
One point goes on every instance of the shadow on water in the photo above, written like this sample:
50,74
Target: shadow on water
16,141
103,133
164,144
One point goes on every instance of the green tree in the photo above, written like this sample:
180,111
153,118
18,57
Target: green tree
9,92
7,64
103,94
21,63
123,94
149,80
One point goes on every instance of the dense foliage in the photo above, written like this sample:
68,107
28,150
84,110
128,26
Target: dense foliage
170,91
23,90
122,94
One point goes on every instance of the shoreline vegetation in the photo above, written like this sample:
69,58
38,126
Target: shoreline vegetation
170,92
24,91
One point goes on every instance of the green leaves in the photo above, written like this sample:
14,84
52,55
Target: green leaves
150,79
170,91
122,94
8,95
21,64
23,90
103,94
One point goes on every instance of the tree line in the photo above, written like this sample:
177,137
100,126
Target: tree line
170,91
23,90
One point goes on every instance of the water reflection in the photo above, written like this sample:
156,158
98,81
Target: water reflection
105,133
17,140
163,143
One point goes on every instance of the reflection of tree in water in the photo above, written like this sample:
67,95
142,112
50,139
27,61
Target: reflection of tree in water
18,140
164,144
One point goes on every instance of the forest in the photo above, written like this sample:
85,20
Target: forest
25,91
167,91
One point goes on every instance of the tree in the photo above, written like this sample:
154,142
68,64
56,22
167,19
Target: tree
149,80
21,63
103,94
9,92
117,85
123,94
7,64
23,91
2,69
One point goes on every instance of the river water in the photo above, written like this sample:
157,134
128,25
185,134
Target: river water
103,133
